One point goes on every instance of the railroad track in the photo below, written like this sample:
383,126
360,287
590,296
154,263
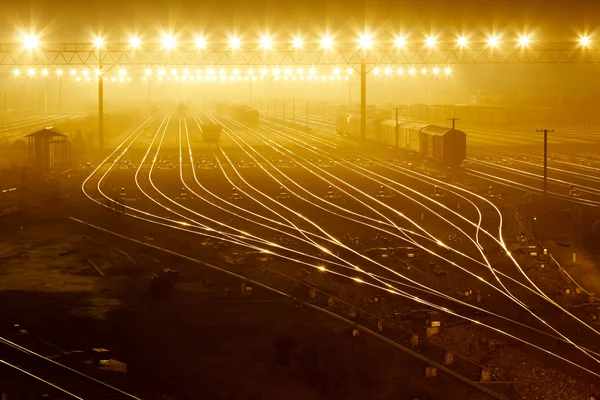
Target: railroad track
251,221
59,379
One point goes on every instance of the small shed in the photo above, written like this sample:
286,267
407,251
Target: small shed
49,149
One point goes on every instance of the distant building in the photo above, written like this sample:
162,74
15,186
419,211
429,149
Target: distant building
49,149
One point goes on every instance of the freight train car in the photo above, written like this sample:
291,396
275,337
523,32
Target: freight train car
241,113
245,114
211,133
445,145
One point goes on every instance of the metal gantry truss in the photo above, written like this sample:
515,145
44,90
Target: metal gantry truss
107,55
85,54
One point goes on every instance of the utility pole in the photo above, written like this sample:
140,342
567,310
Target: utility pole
545,157
307,114
363,99
453,119
397,144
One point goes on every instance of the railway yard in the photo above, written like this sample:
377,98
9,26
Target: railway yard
346,270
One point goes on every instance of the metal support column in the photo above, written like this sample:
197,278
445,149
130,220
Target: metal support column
59,95
100,103
545,157
250,82
363,100
349,91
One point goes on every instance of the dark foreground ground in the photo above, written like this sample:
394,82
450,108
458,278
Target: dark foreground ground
206,340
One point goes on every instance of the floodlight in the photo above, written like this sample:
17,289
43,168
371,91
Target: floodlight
400,41
31,42
326,42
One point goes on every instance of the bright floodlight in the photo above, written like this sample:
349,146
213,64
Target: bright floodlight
423,71
447,70
31,42
45,72
99,41
435,71
376,70
326,42
430,41
59,72
493,41
169,42
266,42
400,41
462,41
122,71
73,72
234,42
387,70
31,72
584,41
200,42
412,71
524,40
365,41
135,42
148,72
297,42
16,72
312,71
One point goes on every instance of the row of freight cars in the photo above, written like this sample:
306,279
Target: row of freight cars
238,112
446,146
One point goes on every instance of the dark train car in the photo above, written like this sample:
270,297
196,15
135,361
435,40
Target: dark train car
445,145
408,134
244,114
211,133
250,116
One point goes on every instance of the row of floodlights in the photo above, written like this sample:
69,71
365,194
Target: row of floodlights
275,72
326,42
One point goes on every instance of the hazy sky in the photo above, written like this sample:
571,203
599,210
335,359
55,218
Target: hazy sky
75,19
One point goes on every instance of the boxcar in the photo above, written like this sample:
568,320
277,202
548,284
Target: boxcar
211,133
446,145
